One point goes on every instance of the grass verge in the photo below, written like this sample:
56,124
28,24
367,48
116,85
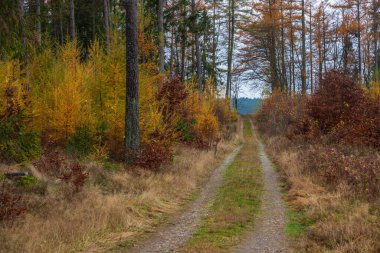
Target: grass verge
238,200
322,218
115,207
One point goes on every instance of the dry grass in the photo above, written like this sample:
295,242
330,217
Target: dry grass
114,206
328,219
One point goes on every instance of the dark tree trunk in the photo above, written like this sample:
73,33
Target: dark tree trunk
132,131
311,49
274,73
230,51
38,25
197,46
72,20
214,42
359,40
284,83
106,7
161,37
303,35
376,53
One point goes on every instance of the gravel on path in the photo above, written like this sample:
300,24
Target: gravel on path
268,234
174,236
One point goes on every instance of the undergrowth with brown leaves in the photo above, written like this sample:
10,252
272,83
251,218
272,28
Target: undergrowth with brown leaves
327,148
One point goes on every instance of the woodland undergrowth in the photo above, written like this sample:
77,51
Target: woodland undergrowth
327,147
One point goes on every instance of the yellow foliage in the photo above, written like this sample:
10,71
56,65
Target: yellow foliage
11,88
375,88
68,94
64,103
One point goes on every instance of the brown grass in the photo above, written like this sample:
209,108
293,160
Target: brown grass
113,207
337,219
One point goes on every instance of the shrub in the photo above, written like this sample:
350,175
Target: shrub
224,113
171,96
185,128
335,165
12,205
82,142
281,114
30,184
69,171
206,128
74,175
152,154
343,111
340,110
17,142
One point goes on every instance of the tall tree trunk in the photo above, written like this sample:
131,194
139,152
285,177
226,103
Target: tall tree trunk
62,35
284,83
38,26
171,67
359,40
292,67
161,38
72,20
106,11
22,27
197,46
183,41
231,34
335,63
324,27
311,49
303,35
204,55
275,81
214,42
24,54
132,130
376,33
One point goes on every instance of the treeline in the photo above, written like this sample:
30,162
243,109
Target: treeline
290,44
182,37
98,76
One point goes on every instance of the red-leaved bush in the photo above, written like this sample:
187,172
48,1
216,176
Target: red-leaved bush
340,110
71,172
343,111
11,204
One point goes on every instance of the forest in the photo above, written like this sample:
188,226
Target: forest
119,116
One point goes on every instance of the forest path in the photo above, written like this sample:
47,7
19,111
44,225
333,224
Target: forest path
268,235
174,236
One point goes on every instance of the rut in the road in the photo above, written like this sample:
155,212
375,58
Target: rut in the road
174,236
268,235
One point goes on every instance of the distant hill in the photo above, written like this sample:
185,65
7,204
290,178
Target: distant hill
248,105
